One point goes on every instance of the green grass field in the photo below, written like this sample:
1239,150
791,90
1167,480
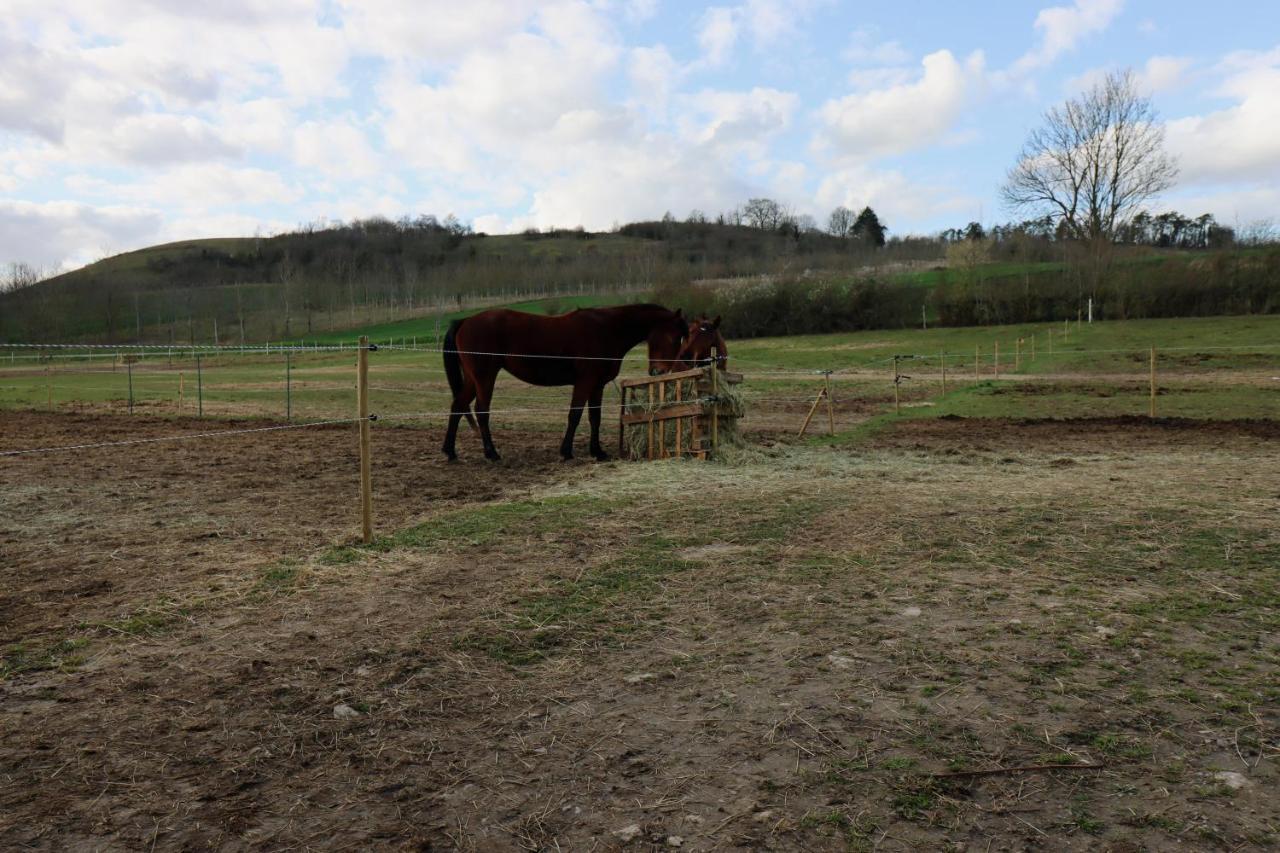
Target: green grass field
1212,368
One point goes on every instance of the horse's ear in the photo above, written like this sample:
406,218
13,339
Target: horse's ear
679,313
715,324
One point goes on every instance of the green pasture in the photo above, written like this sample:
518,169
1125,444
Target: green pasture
1216,368
423,329
1199,343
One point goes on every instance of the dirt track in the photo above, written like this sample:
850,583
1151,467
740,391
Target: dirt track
84,532
759,695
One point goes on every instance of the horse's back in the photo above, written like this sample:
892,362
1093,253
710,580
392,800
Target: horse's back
503,330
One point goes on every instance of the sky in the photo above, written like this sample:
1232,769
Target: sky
125,123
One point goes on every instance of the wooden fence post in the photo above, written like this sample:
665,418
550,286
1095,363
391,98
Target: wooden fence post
897,402
1033,347
48,387
622,420
362,406
942,359
181,383
288,387
649,404
1017,354
977,354
199,388
996,358
1152,412
831,411
129,367
715,403
679,422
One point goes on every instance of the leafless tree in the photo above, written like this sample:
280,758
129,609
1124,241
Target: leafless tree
840,222
766,214
1095,162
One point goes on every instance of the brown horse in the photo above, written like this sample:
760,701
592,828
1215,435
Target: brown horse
583,348
702,336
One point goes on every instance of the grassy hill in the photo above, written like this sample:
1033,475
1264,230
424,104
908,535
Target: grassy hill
396,280
367,273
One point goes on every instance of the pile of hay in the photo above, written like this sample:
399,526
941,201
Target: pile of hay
729,405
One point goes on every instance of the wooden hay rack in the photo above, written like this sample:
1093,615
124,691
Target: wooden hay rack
673,415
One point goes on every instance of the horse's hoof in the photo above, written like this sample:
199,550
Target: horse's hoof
492,456
451,458
566,457
601,457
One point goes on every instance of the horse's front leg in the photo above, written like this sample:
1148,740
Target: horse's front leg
593,415
484,400
581,392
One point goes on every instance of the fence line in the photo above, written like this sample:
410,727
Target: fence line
182,437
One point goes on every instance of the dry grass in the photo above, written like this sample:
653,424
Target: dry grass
785,650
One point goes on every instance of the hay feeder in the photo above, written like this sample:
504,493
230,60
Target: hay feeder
687,413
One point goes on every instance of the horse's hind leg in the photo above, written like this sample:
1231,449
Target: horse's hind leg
461,408
484,399
593,415
581,392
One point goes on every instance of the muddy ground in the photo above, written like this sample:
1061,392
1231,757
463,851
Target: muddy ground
963,635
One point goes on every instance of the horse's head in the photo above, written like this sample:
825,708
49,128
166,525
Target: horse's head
704,335
665,339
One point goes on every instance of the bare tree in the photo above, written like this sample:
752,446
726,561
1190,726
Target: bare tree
840,222
1095,162
766,214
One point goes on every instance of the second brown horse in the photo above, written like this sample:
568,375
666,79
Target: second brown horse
583,348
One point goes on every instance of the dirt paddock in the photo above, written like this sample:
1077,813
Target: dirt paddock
957,635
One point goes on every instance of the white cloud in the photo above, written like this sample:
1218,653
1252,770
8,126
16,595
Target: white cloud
1162,73
160,139
737,121
640,10
30,81
1061,28
335,147
653,73
64,233
194,188
1240,142
435,32
1158,74
717,34
904,116
895,198
865,48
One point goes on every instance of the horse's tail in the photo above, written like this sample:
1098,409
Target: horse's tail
453,366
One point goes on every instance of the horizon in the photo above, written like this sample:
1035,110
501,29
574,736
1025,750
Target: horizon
123,128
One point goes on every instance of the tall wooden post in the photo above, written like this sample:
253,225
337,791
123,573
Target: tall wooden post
662,425
622,417
181,383
977,356
288,387
1152,412
942,360
831,410
48,387
679,421
129,367
897,402
715,403
649,403
199,388
366,478
1017,354
1033,347
996,358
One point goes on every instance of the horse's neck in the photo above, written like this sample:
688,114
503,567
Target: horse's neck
631,327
